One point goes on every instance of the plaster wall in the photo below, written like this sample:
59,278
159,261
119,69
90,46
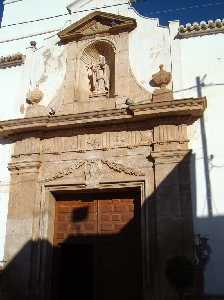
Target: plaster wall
203,57
16,81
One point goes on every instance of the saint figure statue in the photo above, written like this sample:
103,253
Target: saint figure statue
99,76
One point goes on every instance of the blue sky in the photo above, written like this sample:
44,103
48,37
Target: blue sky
1,8
185,10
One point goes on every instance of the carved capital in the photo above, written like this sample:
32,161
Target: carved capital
168,157
24,167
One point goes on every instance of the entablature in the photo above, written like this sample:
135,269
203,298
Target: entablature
190,108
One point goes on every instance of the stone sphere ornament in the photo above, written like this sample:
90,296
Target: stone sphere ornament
34,96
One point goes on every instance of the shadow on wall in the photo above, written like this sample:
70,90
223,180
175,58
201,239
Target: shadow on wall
209,228
109,265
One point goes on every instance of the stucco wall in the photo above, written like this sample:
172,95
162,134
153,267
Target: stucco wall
203,57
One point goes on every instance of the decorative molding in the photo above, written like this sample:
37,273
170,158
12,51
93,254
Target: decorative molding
97,141
202,28
191,108
121,168
188,107
11,60
167,157
92,170
66,171
170,133
96,23
25,166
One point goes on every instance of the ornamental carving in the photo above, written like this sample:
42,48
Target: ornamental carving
33,99
97,141
121,168
34,96
65,172
92,170
161,79
99,77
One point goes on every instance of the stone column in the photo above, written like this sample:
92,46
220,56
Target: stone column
20,234
174,220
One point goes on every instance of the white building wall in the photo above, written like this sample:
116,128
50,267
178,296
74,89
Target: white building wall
204,57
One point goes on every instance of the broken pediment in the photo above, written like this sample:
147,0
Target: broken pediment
96,23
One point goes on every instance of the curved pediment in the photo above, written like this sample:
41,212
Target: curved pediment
96,23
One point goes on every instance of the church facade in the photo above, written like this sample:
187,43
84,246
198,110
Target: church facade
101,194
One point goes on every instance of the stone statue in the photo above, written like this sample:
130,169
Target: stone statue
99,77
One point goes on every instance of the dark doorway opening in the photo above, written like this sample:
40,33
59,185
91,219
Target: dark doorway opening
97,246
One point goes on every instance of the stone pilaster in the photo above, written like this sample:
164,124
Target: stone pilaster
20,234
174,225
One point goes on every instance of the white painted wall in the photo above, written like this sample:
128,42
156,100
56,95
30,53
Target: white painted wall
204,57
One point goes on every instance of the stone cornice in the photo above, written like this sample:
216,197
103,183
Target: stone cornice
188,107
115,24
192,108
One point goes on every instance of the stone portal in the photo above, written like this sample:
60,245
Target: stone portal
75,174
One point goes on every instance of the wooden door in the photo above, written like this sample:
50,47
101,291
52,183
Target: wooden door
97,247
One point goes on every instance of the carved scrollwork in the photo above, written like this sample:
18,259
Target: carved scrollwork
121,168
92,170
65,172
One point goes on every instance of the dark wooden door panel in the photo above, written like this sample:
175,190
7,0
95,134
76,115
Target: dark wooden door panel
114,215
97,246
75,217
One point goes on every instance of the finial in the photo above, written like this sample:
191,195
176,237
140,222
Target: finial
162,78
34,96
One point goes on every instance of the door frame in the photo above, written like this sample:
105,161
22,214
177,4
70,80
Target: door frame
46,227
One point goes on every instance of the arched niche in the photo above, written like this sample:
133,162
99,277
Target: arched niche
91,56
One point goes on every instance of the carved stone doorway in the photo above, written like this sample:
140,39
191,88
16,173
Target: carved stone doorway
97,246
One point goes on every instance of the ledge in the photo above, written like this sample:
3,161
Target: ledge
192,108
11,60
200,29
